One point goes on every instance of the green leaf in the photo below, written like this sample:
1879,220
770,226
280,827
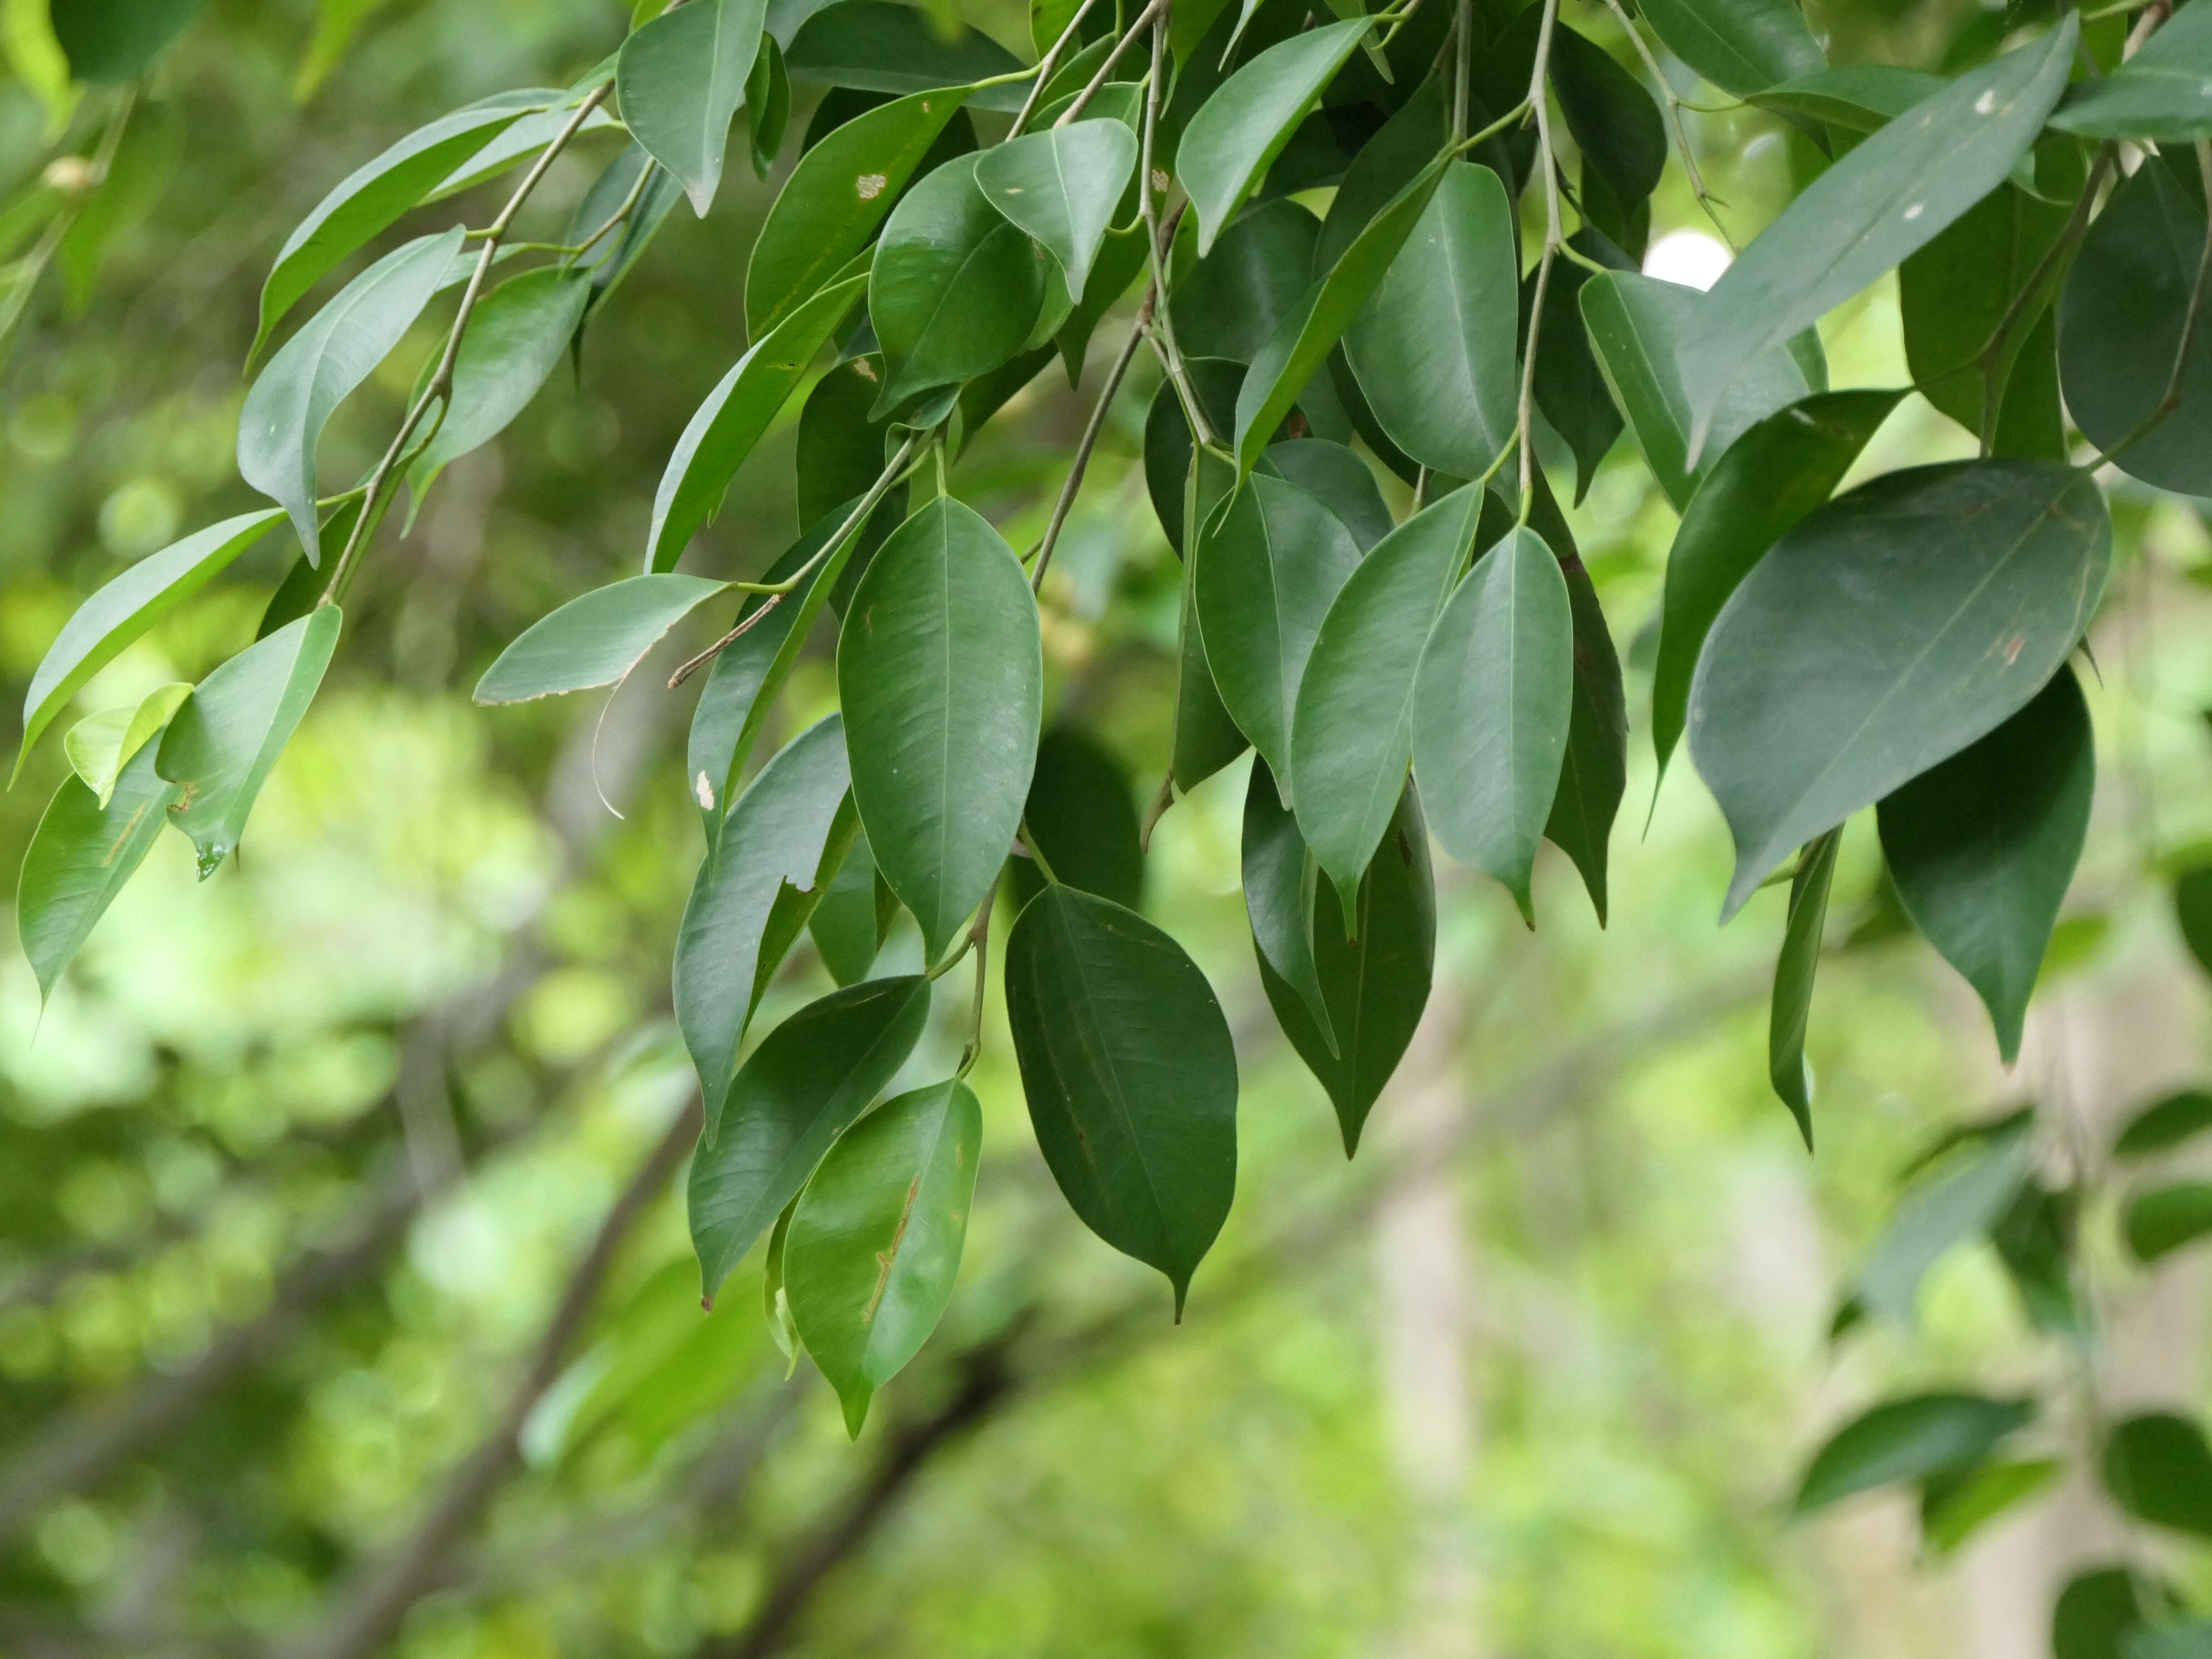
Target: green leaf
515,340
1169,445
955,289
1061,186
1954,1505
610,257
941,674
850,918
776,833
1225,304
1637,325
224,741
1610,115
1205,737
1405,146
1130,1074
80,856
841,451
796,1093
2193,910
1433,348
1352,736
2097,1611
724,428
118,40
1886,199
1594,773
834,200
1907,1440
125,608
2164,1219
525,137
877,46
1303,339
768,106
373,194
2121,315
100,745
2165,1124
337,349
1268,564
1492,702
1856,97
1963,1202
596,639
1757,489
680,79
1122,260
875,1245
1570,388
1369,979
1080,813
2191,1638
2158,1468
1983,847
2157,96
1742,46
137,178
1334,476
1793,974
1886,632
1239,131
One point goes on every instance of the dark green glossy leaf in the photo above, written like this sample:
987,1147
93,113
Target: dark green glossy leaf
2158,1468
1793,972
1352,736
223,743
1408,141
1268,567
123,610
1983,847
612,257
1886,199
1760,487
1886,632
796,1093
878,47
1130,1074
1954,1504
2164,1219
1907,1440
1205,739
2164,1123
768,106
1571,388
849,919
1225,304
2158,95
595,638
1061,186
940,671
840,451
680,79
79,858
1742,46
1965,1201
776,834
724,428
1120,261
118,40
834,200
1080,812
1594,775
1167,445
1492,704
2097,1611
1338,479
1856,97
1433,348
1610,114
1278,874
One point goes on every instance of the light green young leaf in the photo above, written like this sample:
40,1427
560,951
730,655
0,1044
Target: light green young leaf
1061,186
874,1247
876,45
595,638
224,741
80,856
2157,96
123,610
1790,1011
1492,703
1954,1506
680,79
334,352
1908,1440
100,745
1742,46
1964,1201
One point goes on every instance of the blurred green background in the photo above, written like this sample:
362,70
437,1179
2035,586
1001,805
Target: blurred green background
297,1166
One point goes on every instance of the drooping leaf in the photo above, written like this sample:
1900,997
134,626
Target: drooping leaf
849,919
1852,97
611,257
334,352
2158,1468
841,451
1084,822
1169,446
2164,1219
2164,1123
1061,186
1954,1205
1269,563
1338,479
1983,847
680,79
1594,775
1791,1007
1908,1440
1570,386
1954,1504
874,1246
724,428
1130,1074
768,105
1225,304
1352,735
1757,489
1887,198
1386,164
940,671
879,47
1239,131
1432,347
1278,876
1742,46
1612,117
795,1094
2193,910
122,611
596,639
1492,703
100,745
79,858
221,744
775,835
1886,632
2158,95
834,200
1122,260
1205,737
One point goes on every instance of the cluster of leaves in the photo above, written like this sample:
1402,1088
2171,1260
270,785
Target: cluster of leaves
1903,645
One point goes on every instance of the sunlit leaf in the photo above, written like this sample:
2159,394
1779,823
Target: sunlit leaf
79,858
1908,1440
680,79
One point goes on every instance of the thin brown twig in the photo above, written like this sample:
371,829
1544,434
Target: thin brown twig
1089,442
1098,81
1045,64
745,624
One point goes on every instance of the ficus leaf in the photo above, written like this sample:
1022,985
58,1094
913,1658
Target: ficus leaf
879,47
2164,1218
1570,388
1338,479
1061,186
1742,46
1610,115
1278,875
118,40
1225,304
1956,1504
849,919
2158,1468
2164,1123
874,1246
680,79
2156,96
1965,1201
79,858
1594,774
1130,1074
100,745
1907,1440
1791,1007
1081,817
596,639
1852,97
1205,737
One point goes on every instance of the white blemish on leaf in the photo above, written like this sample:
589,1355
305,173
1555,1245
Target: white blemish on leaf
705,791
869,186
1159,180
1915,211
1986,103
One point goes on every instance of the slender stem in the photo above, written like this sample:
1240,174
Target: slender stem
980,936
1991,357
1463,58
1552,242
1090,441
1098,80
2170,400
621,214
1397,19
1045,64
1162,799
34,264
1162,330
1037,853
745,625
1706,200
442,382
